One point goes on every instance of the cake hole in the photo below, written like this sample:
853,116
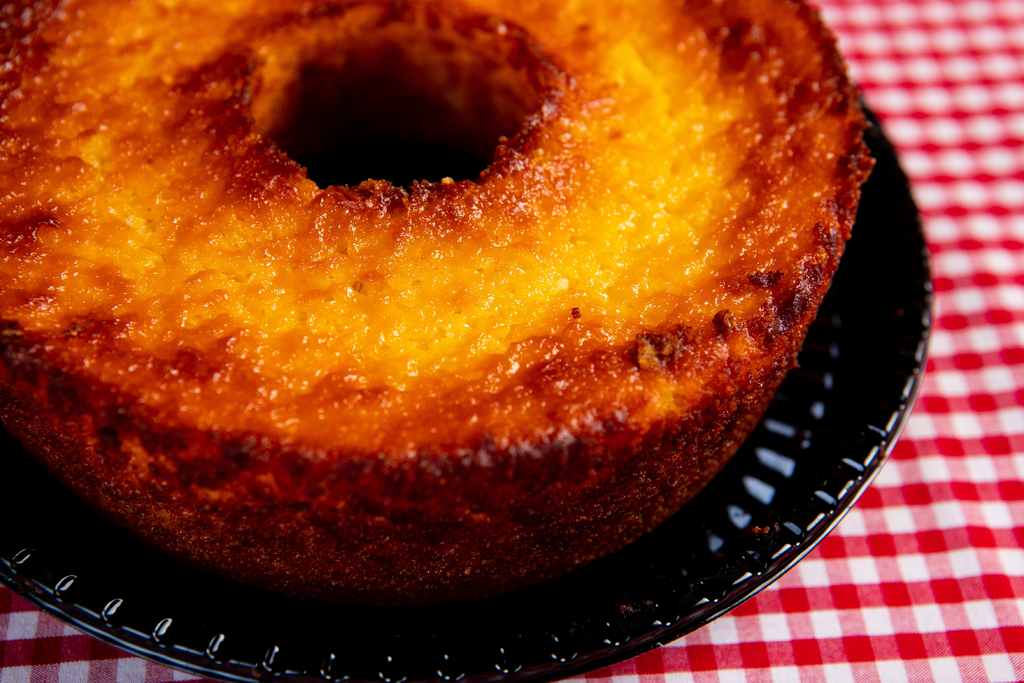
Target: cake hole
414,98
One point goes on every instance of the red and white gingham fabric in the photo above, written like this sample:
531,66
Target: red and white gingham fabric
924,579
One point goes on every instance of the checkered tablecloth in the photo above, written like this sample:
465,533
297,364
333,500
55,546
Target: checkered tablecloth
924,579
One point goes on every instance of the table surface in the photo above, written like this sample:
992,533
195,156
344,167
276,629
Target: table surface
924,579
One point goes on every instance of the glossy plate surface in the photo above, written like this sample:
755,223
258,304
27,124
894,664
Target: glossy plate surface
820,444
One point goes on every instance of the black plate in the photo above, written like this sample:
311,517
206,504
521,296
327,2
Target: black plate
820,444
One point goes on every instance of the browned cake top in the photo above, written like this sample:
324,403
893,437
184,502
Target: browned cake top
674,185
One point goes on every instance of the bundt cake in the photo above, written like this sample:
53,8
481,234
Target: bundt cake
380,391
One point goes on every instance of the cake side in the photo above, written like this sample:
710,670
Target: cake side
443,525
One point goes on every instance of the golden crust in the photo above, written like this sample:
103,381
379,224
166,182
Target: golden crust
392,395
